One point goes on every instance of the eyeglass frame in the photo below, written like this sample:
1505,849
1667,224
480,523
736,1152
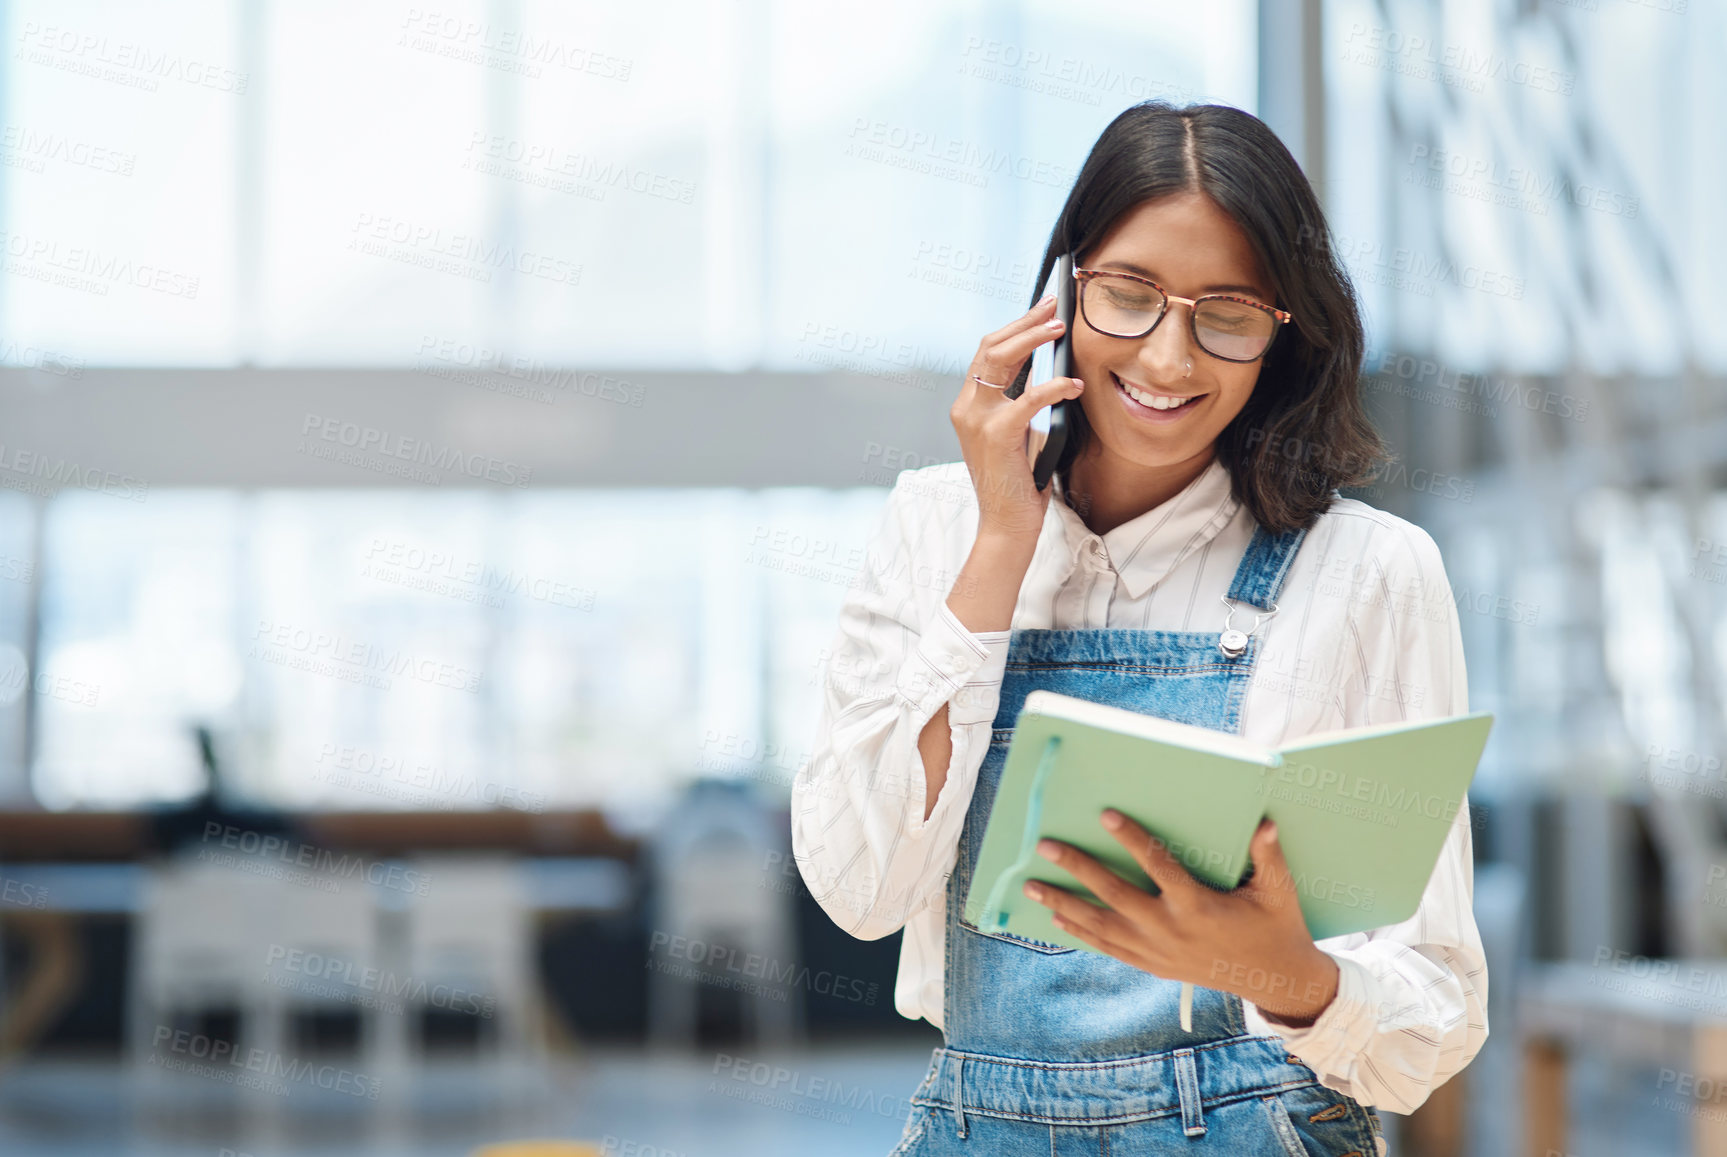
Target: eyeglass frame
1281,316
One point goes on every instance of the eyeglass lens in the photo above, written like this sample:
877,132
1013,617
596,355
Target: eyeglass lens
1122,307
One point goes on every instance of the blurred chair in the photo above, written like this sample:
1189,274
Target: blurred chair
198,946
273,948
49,985
1686,826
715,906
470,951
321,944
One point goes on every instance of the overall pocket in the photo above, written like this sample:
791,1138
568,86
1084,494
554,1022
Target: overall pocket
968,860
1323,1123
915,1126
1035,945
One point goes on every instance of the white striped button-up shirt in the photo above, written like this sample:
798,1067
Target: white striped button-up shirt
1366,632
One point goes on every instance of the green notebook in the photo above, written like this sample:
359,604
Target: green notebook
1361,813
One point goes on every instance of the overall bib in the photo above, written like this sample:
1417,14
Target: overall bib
1057,1051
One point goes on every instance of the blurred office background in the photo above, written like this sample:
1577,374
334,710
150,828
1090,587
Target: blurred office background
435,443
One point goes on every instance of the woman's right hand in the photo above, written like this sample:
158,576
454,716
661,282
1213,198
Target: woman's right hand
992,427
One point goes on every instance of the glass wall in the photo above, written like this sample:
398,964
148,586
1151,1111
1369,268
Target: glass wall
791,184
431,650
513,186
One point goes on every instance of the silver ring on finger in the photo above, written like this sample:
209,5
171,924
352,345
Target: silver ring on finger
991,385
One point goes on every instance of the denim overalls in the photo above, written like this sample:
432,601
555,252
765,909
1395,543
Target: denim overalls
1052,1050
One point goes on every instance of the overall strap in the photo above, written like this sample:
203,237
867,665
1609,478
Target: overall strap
1260,576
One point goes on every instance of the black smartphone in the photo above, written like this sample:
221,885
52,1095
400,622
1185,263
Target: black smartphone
1046,437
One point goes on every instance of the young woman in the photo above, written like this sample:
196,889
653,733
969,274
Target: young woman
1217,347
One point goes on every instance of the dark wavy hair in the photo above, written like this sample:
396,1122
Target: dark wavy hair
1304,430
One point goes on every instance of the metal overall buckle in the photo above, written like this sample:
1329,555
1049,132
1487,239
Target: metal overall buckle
1233,641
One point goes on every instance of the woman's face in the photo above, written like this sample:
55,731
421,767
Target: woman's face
1190,247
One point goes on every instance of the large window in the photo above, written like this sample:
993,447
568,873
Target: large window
409,650
327,192
1531,187
699,185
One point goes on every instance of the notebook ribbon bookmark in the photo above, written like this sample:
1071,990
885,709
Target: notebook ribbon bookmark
994,913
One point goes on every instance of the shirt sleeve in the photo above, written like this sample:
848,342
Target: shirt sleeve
859,836
1411,1005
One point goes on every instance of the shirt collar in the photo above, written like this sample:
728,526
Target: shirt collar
1143,550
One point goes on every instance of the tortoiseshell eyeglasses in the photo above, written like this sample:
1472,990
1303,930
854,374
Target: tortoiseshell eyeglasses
1236,329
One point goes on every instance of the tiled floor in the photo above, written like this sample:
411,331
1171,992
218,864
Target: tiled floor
839,1101
629,1103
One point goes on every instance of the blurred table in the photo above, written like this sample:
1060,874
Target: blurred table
1676,1021
40,901
110,837
555,884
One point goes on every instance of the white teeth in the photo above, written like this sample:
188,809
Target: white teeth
1155,401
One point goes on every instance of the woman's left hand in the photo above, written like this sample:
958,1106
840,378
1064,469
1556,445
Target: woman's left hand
1251,941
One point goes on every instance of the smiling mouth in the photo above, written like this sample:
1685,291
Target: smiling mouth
1162,403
